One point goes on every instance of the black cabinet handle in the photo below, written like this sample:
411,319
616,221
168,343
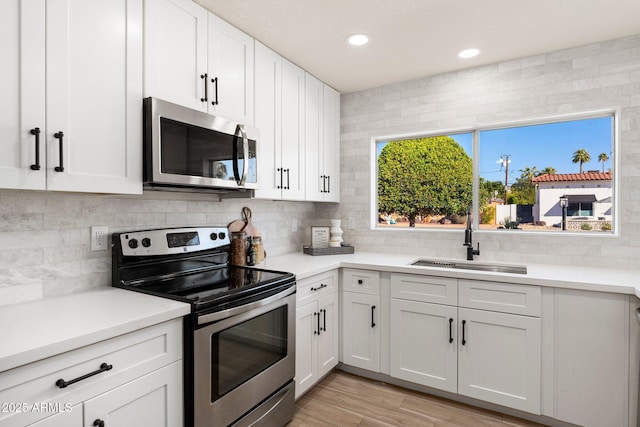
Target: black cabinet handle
324,183
215,86
316,332
36,133
98,423
464,341
288,183
103,368
206,88
450,331
359,281
328,184
322,285
280,170
324,321
59,136
373,323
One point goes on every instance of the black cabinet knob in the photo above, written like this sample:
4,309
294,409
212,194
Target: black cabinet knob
98,423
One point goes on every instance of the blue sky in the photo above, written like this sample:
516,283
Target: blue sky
541,146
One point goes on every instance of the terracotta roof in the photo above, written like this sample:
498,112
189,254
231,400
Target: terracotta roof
585,176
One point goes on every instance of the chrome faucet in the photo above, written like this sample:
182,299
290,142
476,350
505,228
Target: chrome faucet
468,240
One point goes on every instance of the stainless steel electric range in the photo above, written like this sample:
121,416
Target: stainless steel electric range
239,339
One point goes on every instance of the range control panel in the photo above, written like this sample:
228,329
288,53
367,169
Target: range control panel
167,241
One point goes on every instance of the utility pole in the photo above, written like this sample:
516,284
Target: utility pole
504,161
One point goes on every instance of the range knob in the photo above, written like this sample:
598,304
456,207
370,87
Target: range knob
146,242
222,236
213,236
133,243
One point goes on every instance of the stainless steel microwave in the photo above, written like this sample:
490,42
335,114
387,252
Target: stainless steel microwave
185,149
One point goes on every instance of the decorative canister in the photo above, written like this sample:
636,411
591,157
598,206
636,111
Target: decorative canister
238,248
256,241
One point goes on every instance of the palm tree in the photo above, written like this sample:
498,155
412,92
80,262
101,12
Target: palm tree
547,171
581,156
529,173
602,157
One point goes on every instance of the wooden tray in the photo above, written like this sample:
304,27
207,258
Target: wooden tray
342,250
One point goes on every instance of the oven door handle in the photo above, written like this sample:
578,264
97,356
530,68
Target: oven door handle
219,315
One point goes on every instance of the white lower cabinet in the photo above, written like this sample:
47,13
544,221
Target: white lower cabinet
317,329
499,358
423,344
482,354
130,380
593,371
361,319
137,403
73,417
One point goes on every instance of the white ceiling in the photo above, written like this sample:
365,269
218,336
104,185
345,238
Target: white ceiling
416,38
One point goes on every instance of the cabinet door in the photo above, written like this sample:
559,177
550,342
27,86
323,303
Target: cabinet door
71,418
230,68
329,334
268,102
22,104
331,143
94,95
293,134
590,372
499,358
361,330
152,400
424,344
315,179
176,52
306,347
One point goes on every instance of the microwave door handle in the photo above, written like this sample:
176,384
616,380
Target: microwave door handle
245,147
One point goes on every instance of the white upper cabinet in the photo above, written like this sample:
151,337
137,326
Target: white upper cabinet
74,96
176,52
322,131
230,57
197,60
279,114
22,104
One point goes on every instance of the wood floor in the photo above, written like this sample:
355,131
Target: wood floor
342,399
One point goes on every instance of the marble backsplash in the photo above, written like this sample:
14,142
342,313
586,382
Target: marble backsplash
45,236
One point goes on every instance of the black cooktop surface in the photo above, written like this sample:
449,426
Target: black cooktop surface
202,283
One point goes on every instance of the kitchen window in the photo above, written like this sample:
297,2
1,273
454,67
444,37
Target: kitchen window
543,176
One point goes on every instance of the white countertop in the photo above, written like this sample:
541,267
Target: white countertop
35,330
593,279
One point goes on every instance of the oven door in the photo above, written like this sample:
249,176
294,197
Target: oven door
243,359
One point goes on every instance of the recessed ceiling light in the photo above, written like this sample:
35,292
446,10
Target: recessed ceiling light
468,53
358,39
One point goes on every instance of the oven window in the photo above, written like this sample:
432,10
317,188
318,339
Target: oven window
241,352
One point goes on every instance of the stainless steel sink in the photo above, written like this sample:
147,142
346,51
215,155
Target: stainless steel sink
461,265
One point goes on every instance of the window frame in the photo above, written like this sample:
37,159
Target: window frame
613,112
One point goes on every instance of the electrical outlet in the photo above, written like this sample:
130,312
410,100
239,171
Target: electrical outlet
99,237
294,225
